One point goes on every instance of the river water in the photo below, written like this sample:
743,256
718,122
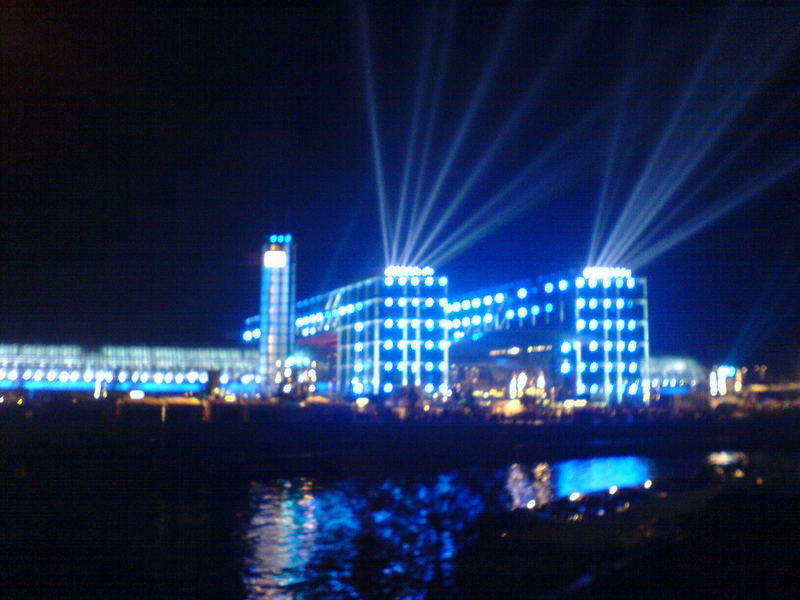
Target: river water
79,530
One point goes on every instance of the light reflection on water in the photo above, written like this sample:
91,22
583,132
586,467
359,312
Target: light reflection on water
543,482
400,537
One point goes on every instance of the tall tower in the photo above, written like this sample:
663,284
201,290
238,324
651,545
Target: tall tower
278,290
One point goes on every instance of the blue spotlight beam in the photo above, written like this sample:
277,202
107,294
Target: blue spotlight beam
430,125
632,206
771,308
475,102
721,208
603,209
509,125
740,92
687,199
412,135
372,114
480,216
541,191
739,84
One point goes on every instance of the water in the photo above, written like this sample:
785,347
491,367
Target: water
95,530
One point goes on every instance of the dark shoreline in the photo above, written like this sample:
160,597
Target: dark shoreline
412,444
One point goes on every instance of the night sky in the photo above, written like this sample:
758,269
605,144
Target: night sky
146,152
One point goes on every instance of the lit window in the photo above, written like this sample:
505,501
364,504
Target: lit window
522,293
580,324
388,323
389,301
565,347
580,303
522,312
509,314
548,288
498,298
562,285
580,282
548,307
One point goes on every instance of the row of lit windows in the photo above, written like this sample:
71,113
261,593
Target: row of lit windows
429,281
107,376
606,303
402,302
403,344
358,387
606,324
412,366
198,357
350,309
594,367
608,346
632,389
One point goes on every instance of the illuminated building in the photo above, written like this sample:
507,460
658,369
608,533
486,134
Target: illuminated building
152,369
277,307
586,334
596,322
389,332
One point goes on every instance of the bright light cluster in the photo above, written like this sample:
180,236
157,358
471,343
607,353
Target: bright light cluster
403,271
605,272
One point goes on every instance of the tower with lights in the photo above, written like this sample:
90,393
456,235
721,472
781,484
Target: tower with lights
277,306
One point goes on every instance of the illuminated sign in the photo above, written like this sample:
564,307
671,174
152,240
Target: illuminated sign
398,271
274,259
605,272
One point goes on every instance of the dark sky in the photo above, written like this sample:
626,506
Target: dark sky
147,151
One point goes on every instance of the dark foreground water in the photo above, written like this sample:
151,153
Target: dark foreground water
95,529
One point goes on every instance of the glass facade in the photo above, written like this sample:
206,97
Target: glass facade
152,368
390,331
601,324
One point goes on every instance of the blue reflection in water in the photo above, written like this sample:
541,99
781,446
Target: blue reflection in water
542,483
595,474
397,539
